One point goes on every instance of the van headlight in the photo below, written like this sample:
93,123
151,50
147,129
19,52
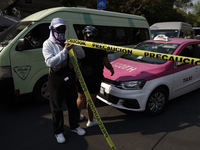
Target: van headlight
131,85
5,72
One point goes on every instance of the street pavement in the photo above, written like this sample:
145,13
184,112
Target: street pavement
28,126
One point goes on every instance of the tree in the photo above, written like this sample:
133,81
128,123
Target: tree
191,19
74,3
162,11
126,6
12,11
194,16
153,10
183,4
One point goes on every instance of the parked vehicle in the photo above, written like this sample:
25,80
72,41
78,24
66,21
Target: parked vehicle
197,37
146,84
172,30
196,31
22,67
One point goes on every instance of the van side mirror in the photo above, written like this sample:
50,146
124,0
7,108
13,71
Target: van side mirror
22,44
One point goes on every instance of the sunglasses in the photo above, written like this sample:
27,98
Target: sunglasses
61,28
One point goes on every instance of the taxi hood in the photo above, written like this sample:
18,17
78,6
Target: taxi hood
126,70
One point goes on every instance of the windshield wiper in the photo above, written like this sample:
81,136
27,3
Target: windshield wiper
138,60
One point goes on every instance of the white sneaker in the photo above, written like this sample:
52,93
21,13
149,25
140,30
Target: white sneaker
60,138
92,123
79,131
81,117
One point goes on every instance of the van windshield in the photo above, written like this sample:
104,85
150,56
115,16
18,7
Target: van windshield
9,34
166,48
169,33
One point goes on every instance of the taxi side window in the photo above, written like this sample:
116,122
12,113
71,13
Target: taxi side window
197,52
187,52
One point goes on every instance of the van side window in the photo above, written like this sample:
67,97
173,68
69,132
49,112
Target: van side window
189,34
182,34
186,34
116,35
37,36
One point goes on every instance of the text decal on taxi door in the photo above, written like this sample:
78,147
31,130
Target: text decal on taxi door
187,79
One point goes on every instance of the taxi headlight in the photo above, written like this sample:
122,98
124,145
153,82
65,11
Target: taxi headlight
5,72
131,85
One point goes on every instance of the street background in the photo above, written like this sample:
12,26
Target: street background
28,126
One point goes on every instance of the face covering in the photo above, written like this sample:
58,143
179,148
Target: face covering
59,36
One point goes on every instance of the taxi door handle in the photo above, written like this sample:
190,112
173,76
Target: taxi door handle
197,69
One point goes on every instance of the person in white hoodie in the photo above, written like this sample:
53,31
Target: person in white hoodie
61,79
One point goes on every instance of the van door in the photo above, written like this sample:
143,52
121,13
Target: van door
27,64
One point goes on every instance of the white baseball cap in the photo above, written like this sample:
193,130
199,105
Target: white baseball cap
56,22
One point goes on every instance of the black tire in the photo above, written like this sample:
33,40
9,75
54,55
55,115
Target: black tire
156,102
41,92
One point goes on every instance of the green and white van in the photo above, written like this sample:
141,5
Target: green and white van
22,67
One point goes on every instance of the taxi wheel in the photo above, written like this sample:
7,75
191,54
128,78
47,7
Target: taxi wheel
156,102
41,92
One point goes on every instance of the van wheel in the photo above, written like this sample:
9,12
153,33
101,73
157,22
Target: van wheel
41,91
156,102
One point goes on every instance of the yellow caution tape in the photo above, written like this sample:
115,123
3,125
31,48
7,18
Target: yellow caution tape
112,48
89,99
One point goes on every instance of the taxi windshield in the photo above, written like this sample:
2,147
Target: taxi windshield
166,48
169,33
9,34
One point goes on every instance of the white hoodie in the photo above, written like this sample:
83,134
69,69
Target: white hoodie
55,55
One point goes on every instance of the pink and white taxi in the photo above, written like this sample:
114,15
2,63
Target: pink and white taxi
146,84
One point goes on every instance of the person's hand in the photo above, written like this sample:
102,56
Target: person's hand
112,71
68,46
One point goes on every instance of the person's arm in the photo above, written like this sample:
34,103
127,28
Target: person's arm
108,65
53,58
80,53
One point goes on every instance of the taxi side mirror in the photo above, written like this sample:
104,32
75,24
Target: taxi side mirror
22,44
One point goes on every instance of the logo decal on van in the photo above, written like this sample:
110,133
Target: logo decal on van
22,71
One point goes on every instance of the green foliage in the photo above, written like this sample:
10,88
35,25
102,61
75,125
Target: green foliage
162,11
184,4
194,16
74,3
153,10
125,6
